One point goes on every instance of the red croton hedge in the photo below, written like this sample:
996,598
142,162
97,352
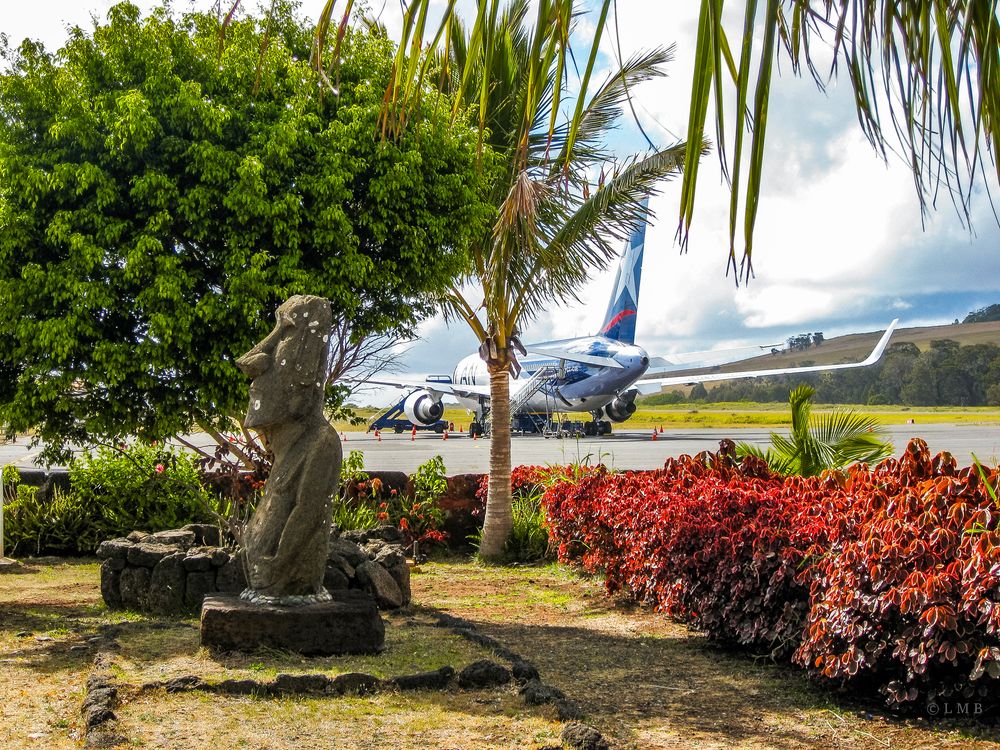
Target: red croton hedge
884,578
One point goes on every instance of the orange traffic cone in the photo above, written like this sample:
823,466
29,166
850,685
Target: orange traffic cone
444,435
655,434
343,437
661,429
378,436
413,433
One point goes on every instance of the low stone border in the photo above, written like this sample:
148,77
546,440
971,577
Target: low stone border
101,696
533,691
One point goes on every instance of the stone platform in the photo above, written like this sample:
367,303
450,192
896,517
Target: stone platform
350,624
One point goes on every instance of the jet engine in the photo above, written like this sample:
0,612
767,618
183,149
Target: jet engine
421,407
622,407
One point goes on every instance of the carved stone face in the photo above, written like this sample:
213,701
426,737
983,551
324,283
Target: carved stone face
289,367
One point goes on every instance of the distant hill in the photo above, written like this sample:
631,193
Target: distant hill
983,314
856,346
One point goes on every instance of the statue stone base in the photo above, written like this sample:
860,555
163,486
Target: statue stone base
348,624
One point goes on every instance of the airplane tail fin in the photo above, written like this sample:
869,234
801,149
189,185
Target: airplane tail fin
619,321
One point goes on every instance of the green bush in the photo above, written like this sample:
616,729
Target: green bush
112,492
529,539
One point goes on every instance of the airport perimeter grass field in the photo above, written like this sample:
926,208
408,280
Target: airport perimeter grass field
744,414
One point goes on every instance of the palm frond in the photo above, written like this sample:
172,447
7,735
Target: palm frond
934,61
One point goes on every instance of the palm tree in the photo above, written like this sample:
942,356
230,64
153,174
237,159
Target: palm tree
563,201
815,444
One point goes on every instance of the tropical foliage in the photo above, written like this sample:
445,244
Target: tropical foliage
112,493
877,579
160,195
820,442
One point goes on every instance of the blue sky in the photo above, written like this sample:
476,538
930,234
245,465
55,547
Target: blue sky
839,244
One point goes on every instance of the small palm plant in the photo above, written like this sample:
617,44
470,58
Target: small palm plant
821,442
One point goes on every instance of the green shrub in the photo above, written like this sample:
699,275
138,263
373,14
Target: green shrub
112,493
529,539
146,487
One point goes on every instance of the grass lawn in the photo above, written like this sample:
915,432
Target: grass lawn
642,680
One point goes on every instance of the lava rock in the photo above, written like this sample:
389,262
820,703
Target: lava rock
205,534
348,550
340,563
355,683
231,578
198,561
376,580
166,585
401,575
524,671
147,554
133,587
183,684
335,580
582,737
302,683
111,583
218,555
349,624
483,674
241,687
390,556
199,585
568,710
536,693
437,679
181,538
97,704
116,549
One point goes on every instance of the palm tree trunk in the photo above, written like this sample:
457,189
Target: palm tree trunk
499,517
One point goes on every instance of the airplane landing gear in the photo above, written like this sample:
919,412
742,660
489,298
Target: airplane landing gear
597,427
475,430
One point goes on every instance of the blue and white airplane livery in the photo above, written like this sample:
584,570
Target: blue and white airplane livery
600,375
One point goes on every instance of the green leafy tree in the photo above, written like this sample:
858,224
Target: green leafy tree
818,443
161,193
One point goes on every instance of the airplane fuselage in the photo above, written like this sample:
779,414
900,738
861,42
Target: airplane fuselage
575,386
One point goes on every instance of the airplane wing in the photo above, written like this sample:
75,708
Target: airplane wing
451,389
587,359
654,382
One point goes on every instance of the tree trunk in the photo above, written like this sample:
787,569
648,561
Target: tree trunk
499,517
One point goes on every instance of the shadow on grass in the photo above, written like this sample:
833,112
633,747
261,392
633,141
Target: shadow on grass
642,689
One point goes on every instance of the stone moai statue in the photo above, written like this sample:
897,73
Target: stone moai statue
287,538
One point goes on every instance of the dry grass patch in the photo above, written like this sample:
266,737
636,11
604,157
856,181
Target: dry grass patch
463,721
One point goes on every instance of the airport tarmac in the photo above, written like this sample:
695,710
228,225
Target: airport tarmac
630,449
624,449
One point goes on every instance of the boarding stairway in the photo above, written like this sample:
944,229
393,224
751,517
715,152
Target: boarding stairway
538,380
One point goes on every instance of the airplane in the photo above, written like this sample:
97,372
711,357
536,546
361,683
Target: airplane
601,374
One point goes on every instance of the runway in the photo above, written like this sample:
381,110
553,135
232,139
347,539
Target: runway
624,449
